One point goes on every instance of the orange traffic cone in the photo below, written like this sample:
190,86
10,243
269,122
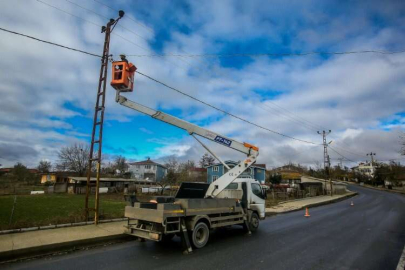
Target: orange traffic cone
352,204
306,212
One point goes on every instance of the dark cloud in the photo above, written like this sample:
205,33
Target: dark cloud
16,152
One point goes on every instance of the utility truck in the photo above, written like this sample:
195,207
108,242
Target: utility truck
197,208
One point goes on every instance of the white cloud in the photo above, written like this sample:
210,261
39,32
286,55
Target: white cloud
352,95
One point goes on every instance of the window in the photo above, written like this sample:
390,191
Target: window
232,186
257,190
215,169
252,171
147,166
214,177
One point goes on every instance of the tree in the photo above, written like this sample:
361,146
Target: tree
206,160
74,158
21,173
172,164
120,165
44,166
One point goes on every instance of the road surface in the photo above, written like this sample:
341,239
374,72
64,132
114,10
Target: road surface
368,235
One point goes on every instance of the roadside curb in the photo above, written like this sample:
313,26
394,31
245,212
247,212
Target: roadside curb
382,189
57,226
32,252
269,213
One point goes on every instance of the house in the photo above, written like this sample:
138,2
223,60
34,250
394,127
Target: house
56,177
256,171
147,170
289,174
365,168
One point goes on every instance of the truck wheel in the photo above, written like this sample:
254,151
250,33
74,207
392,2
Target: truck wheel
253,223
200,235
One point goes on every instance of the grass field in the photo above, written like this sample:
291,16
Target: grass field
41,210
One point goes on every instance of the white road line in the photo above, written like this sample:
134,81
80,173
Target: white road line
401,263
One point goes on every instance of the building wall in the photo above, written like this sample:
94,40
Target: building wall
153,172
48,178
256,173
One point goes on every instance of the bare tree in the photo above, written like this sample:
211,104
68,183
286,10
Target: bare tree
44,166
206,160
120,164
74,158
172,164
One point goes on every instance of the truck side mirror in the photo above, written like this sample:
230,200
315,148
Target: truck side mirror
264,193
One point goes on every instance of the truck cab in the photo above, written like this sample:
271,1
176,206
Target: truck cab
249,192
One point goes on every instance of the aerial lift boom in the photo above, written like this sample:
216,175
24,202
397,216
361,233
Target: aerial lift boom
221,183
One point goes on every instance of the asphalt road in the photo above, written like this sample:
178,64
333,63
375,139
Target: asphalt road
368,235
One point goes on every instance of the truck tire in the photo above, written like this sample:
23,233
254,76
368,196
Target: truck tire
200,235
253,223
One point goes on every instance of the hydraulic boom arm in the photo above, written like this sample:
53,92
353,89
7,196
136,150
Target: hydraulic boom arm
221,183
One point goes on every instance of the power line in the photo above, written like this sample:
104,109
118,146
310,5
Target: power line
172,88
269,54
51,43
314,125
341,154
127,16
280,113
133,43
223,111
105,17
353,153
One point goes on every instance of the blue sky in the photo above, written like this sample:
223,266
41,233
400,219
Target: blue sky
49,93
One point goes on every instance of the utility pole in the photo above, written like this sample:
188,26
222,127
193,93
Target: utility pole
326,159
371,154
96,141
341,162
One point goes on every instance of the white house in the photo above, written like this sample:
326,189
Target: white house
147,170
367,169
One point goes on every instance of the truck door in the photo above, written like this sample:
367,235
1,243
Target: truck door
257,199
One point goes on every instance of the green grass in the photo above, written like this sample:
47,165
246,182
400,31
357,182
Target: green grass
41,210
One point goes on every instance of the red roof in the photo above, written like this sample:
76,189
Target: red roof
259,165
198,169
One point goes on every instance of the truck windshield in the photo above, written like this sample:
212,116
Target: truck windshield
257,190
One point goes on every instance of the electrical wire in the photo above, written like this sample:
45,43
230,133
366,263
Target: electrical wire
105,17
340,154
294,115
223,111
269,54
51,43
127,16
115,34
172,88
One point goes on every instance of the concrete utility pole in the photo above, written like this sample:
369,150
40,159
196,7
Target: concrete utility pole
341,162
96,141
326,160
371,154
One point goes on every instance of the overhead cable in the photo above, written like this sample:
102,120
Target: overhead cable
340,154
267,54
223,111
51,43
